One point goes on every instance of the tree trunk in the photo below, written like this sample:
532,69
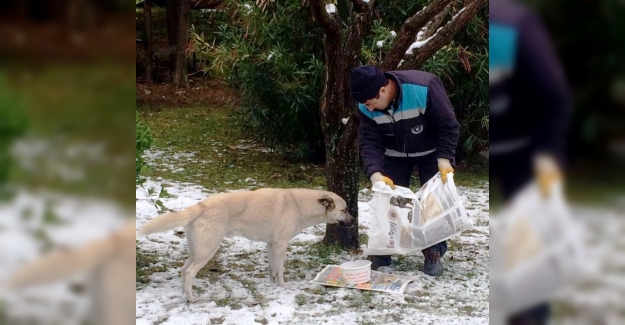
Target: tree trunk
172,12
180,77
149,55
342,163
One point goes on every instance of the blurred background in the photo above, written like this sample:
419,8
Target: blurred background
587,38
67,103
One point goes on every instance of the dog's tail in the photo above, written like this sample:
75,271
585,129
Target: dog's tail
171,220
63,264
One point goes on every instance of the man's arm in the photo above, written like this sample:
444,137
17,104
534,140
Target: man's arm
441,114
371,148
538,60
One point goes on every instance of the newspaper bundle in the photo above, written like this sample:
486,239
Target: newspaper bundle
407,222
537,250
331,276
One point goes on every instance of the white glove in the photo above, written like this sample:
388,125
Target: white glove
444,166
378,177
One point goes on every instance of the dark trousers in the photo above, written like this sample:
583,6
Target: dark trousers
513,172
400,170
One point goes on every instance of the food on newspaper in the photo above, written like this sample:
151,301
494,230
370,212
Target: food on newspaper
407,222
331,276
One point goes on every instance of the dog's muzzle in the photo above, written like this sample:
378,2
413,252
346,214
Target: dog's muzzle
348,222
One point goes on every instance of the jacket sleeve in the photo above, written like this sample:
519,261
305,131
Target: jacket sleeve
538,60
441,114
371,148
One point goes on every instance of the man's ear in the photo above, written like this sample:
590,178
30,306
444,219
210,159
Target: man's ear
327,202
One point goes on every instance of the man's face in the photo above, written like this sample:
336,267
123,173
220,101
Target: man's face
381,101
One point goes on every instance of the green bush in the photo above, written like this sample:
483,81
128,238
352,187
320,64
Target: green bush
275,59
13,123
144,141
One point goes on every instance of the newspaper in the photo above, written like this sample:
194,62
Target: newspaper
537,249
331,276
407,222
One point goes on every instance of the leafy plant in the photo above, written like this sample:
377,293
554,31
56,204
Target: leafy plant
144,141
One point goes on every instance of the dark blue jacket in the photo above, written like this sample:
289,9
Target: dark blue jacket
529,96
420,121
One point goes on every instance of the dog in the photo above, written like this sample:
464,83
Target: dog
109,266
273,216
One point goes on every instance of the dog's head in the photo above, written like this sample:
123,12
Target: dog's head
336,209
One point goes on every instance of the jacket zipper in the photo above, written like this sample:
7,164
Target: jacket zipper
398,135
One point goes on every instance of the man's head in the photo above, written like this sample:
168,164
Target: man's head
369,86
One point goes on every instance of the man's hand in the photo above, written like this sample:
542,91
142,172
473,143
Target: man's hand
378,177
547,172
444,166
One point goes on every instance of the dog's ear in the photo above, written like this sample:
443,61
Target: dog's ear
327,202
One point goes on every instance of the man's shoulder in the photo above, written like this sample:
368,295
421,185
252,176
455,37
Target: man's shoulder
508,12
417,77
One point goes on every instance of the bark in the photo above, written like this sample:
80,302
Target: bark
180,77
444,36
149,55
408,32
336,103
172,13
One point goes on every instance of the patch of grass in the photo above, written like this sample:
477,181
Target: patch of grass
146,265
325,251
263,321
217,320
301,299
226,159
222,302
251,287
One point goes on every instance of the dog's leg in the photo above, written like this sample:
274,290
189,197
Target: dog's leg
279,250
204,248
191,253
271,266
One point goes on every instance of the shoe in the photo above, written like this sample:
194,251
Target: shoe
432,265
379,260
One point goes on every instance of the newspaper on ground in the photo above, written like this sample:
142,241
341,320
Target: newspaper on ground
407,222
331,276
537,249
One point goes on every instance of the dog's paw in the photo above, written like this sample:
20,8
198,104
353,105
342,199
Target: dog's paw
191,300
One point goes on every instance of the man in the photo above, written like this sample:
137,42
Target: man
529,110
406,120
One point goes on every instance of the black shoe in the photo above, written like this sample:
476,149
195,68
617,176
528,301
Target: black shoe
432,265
379,260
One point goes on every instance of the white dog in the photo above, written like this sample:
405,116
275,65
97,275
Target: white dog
273,216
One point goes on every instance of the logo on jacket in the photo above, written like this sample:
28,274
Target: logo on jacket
417,129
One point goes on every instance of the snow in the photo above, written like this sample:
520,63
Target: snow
330,8
235,290
243,295
79,221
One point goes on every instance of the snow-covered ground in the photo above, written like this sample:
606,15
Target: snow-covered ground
233,288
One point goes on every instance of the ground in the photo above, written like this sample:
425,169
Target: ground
233,287
198,152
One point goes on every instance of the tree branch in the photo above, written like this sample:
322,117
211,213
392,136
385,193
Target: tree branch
409,30
430,28
330,25
444,35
